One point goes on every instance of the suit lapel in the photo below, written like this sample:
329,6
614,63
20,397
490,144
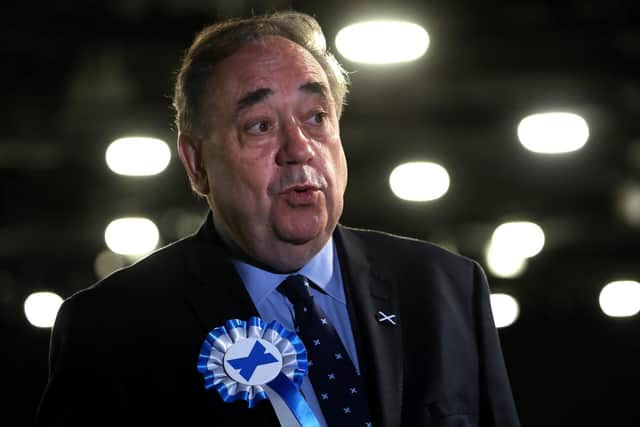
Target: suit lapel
218,293
369,290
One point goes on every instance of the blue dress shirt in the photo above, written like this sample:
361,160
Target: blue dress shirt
323,270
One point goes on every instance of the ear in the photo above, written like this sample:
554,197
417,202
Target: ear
191,155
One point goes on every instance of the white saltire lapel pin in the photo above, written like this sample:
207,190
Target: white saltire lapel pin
388,319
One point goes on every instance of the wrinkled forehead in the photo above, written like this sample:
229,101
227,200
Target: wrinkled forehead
271,62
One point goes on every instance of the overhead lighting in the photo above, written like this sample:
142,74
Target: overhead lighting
511,244
382,42
553,133
505,309
524,238
131,236
41,308
620,298
629,203
503,263
107,262
138,156
419,181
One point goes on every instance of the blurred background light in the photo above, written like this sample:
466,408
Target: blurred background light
503,263
629,204
524,238
510,245
41,308
553,133
419,181
505,309
620,298
138,156
107,262
382,42
131,236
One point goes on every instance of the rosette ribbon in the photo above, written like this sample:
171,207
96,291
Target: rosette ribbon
254,361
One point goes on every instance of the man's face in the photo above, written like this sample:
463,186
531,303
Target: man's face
275,168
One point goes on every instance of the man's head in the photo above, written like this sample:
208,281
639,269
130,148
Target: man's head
218,41
257,104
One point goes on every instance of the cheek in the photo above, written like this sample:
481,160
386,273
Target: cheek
338,165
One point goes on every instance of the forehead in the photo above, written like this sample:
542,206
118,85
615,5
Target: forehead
272,62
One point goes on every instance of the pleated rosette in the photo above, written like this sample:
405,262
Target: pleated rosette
241,358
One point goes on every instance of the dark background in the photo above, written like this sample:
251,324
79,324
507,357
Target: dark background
78,74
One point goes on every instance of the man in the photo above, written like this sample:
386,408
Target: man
258,102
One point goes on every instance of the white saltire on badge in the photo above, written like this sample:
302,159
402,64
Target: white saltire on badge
252,361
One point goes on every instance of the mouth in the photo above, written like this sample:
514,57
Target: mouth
300,195
300,188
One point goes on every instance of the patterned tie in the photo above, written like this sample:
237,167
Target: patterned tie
339,388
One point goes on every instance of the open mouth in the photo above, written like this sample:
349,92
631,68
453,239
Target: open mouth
300,195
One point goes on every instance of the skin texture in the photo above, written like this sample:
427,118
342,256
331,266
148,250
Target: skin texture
272,165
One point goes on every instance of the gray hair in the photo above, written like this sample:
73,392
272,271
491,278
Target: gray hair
219,41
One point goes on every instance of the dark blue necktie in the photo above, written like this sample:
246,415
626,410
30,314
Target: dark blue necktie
339,388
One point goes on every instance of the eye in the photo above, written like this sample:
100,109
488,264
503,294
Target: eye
318,117
258,128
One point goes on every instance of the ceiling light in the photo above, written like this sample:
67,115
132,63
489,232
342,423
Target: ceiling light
419,181
510,245
382,42
503,263
629,204
523,238
41,308
620,298
106,263
505,309
138,156
131,236
553,133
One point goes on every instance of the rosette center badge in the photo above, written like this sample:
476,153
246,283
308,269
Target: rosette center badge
252,361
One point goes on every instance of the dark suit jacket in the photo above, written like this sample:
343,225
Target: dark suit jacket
124,351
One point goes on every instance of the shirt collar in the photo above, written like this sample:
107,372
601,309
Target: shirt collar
320,270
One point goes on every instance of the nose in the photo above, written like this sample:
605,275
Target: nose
296,147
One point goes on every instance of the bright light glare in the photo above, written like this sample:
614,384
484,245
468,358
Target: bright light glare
510,245
525,239
553,133
505,309
503,263
138,156
419,181
620,298
382,42
41,308
131,236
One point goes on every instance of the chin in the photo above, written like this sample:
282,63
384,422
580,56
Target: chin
299,238
300,235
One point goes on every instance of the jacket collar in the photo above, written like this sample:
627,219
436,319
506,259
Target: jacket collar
217,294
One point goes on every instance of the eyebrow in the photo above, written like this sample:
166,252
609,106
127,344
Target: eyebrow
255,96
315,87
252,98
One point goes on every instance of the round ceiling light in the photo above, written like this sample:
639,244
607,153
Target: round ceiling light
553,133
382,42
419,181
138,156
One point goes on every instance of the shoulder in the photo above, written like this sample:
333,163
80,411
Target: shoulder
401,253
163,269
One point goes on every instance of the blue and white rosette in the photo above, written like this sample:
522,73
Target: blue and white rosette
255,360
